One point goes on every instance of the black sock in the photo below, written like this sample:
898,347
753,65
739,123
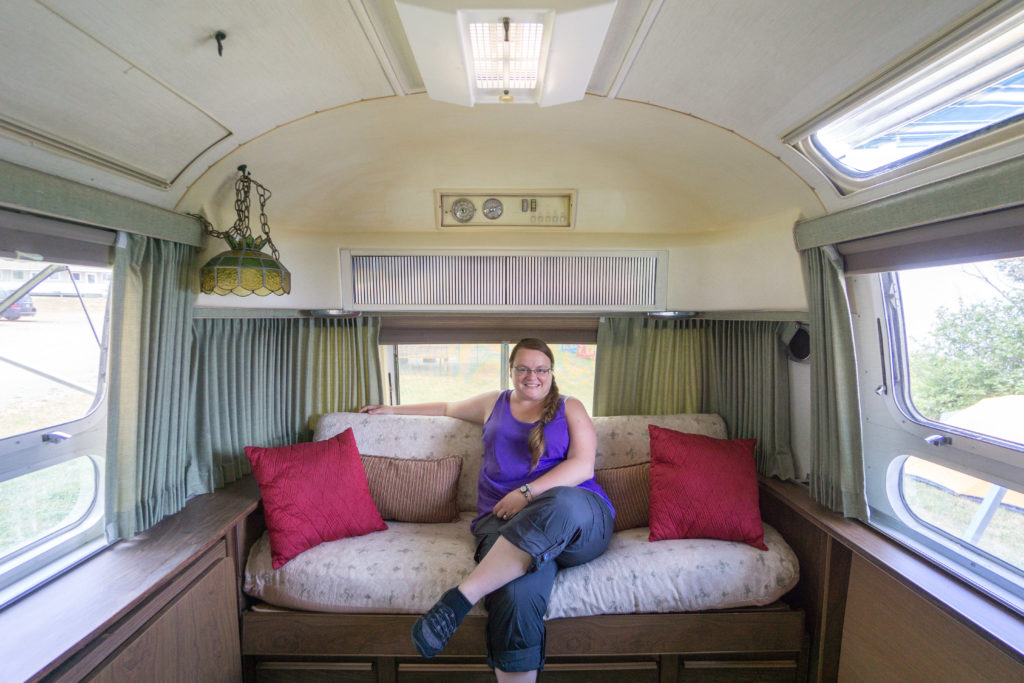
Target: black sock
454,598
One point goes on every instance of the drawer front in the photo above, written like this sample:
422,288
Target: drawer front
315,672
709,671
557,672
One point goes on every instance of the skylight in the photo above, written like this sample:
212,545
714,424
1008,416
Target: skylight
963,93
861,149
498,53
506,56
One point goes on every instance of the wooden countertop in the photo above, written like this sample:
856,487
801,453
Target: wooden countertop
50,625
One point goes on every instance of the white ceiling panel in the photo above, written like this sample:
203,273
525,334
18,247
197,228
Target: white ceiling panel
623,33
281,60
387,27
762,68
73,93
128,93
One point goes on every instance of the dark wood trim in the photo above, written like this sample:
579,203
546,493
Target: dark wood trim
834,615
824,577
62,620
669,670
789,508
193,638
76,668
772,633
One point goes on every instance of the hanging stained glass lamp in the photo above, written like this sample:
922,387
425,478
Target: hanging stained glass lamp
245,268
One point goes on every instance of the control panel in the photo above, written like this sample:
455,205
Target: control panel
505,209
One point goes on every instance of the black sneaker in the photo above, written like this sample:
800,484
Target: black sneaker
432,631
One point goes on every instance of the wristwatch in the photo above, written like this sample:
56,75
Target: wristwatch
527,493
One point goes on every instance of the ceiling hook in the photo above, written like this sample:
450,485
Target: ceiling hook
220,36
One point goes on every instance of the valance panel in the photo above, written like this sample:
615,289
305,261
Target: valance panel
984,236
487,329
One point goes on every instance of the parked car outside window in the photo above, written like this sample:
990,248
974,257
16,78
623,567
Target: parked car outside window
22,307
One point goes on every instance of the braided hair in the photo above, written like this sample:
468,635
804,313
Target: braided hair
535,441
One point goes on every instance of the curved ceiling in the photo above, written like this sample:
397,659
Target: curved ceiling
322,99
374,166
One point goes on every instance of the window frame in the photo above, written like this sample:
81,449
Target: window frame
997,141
892,430
391,380
29,566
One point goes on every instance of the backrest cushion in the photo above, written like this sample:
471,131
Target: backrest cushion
621,440
625,440
415,437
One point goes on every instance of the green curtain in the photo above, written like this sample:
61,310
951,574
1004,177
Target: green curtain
257,382
147,422
736,368
837,460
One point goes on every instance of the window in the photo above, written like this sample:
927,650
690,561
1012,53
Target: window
421,373
963,93
942,402
53,340
964,333
985,516
38,505
963,330
506,55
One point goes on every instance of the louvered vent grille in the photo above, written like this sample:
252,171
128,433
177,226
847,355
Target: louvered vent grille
598,282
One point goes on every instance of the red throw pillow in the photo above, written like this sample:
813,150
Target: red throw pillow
312,493
702,487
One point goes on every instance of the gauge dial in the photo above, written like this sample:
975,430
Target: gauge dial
492,208
463,210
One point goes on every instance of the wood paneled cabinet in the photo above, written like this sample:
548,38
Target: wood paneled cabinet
162,606
194,637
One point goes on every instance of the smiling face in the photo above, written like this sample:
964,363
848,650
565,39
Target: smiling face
531,386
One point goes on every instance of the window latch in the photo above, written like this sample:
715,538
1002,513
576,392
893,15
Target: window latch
56,437
939,440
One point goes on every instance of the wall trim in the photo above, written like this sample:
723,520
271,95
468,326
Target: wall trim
997,186
30,191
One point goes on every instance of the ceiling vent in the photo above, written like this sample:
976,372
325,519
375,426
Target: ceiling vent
589,281
506,51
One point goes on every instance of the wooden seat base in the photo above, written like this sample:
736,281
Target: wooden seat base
745,644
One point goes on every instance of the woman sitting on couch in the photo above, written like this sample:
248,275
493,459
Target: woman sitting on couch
538,509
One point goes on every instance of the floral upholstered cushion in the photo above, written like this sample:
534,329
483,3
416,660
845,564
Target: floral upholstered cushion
621,439
414,436
405,569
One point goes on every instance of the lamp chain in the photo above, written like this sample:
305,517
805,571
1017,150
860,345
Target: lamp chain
264,196
241,230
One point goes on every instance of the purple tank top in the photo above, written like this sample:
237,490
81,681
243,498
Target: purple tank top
506,462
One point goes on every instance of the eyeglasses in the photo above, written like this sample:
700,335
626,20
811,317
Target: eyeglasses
539,372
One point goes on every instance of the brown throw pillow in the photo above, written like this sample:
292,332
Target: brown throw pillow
629,490
407,490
